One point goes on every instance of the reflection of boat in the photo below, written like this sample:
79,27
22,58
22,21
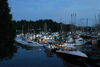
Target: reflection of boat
70,51
49,53
79,62
28,47
26,42
71,62
76,54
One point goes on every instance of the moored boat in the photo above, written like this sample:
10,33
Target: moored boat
71,52
50,47
27,42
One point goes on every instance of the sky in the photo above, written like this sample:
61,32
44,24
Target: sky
57,10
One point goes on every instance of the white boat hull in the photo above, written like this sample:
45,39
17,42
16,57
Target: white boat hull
27,43
74,53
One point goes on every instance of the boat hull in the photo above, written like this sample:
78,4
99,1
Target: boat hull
26,43
70,56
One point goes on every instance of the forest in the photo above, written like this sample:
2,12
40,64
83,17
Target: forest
39,25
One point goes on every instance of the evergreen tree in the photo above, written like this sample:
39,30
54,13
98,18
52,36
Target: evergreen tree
6,26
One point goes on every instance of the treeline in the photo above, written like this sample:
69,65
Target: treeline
39,25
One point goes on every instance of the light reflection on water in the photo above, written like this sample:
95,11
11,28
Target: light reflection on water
36,57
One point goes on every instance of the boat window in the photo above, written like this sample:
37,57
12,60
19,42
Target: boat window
29,42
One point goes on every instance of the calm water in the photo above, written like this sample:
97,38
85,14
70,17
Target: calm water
19,56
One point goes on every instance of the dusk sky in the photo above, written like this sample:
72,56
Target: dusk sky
54,9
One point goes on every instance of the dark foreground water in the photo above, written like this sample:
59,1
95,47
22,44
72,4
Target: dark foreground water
20,56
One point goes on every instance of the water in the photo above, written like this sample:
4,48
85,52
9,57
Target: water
20,56
31,57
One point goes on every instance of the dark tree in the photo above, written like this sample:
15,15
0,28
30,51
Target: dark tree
38,25
6,26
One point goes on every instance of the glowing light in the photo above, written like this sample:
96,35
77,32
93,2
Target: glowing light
30,38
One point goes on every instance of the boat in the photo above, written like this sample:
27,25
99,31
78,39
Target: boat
79,41
50,47
71,52
26,42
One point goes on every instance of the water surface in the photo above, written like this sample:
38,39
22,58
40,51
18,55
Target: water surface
20,56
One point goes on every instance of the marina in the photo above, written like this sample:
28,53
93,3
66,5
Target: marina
65,49
49,33
70,48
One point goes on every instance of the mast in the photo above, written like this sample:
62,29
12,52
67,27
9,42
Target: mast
61,30
80,24
98,23
22,29
73,21
61,25
65,19
87,24
45,27
28,27
95,23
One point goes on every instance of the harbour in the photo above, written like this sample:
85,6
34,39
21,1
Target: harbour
71,48
49,33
